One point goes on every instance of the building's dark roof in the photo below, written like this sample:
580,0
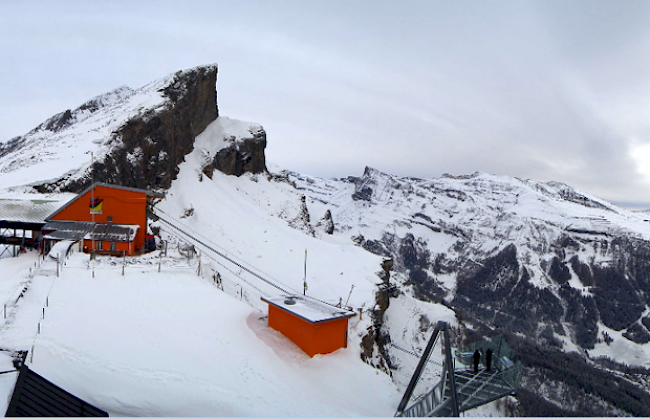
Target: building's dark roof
67,230
36,396
25,213
125,188
77,230
113,232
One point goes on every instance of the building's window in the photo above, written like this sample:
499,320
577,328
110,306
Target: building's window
99,246
110,219
113,246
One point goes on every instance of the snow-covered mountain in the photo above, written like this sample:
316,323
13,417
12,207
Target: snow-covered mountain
563,274
138,137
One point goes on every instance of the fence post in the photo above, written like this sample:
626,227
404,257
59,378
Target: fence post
123,261
57,267
159,262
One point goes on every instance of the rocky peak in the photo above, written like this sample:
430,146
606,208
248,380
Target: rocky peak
138,137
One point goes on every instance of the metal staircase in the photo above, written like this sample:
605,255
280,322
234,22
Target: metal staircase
460,389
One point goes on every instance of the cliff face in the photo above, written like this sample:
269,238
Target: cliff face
151,145
241,156
134,137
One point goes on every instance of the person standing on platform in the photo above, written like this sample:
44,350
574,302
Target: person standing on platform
488,359
477,359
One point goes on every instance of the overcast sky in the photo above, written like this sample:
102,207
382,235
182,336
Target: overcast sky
545,90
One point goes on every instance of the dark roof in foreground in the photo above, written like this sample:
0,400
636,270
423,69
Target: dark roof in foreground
36,396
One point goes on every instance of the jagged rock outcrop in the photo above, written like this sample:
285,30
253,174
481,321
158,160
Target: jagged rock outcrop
152,145
326,223
243,156
375,343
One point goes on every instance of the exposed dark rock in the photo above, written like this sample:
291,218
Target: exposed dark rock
301,222
11,145
374,344
154,144
58,121
363,194
327,223
243,156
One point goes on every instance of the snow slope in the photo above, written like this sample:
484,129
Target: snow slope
173,344
247,218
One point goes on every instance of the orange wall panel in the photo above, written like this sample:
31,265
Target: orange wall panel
312,338
119,246
125,207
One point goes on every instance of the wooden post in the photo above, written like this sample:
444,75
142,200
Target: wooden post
123,261
159,262
57,267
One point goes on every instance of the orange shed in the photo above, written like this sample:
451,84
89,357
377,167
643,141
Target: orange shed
112,217
316,327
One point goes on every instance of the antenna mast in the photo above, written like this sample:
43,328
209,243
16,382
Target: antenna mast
304,283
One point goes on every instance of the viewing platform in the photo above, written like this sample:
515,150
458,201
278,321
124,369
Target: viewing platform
461,388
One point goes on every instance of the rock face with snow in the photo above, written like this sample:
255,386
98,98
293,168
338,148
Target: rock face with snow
242,156
138,138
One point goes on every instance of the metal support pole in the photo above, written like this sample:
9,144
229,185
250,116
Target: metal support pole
419,369
304,284
450,369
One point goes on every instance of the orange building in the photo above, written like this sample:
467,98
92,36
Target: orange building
317,328
109,218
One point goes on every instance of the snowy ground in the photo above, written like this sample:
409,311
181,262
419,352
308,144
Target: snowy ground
173,344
